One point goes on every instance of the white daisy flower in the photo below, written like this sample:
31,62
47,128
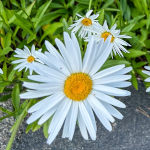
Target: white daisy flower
27,58
148,73
1,71
75,89
83,23
103,32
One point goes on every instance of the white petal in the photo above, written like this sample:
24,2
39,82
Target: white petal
111,90
87,120
1,71
46,116
119,84
146,72
108,99
147,67
90,111
73,119
96,104
19,61
107,71
58,119
100,116
82,126
111,79
113,111
88,13
54,99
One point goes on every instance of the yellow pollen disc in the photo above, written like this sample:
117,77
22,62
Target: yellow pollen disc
86,22
78,86
30,59
105,36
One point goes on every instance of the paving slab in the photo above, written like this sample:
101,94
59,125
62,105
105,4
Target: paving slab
131,133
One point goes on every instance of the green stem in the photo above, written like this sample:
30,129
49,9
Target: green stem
20,119
90,4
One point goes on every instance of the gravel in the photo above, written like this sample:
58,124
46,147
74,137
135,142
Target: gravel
131,133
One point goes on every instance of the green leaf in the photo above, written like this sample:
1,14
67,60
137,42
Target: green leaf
78,9
11,75
148,21
134,80
6,51
5,111
46,126
14,2
101,17
31,38
128,28
3,13
4,83
23,4
107,3
23,20
36,127
51,29
134,53
41,12
7,40
15,96
139,64
5,97
111,63
29,127
65,26
4,75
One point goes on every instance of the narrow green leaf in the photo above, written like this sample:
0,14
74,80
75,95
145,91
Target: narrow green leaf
148,21
51,29
41,12
5,97
110,63
128,28
107,3
14,2
46,126
4,83
31,38
5,111
7,40
11,75
134,80
3,13
15,96
101,17
139,64
134,53
6,51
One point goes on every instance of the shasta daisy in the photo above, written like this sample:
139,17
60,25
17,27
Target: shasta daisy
83,23
27,58
74,89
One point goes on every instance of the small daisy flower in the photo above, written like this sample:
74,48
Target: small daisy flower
84,23
1,71
27,58
103,32
148,73
74,89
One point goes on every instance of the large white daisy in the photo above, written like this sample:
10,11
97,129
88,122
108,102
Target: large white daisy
103,32
27,58
74,89
1,71
83,23
148,73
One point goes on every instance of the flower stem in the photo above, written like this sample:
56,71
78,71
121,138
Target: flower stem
90,3
20,119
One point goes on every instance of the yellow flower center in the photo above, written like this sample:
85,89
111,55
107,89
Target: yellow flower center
105,36
78,86
30,59
86,22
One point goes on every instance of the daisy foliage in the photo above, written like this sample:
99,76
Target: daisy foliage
27,58
83,23
148,73
75,89
103,32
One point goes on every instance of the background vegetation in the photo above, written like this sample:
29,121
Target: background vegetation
27,22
